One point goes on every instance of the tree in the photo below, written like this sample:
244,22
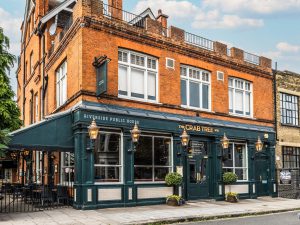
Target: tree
9,112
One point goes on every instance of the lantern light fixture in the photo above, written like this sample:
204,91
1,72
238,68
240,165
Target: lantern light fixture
225,142
93,130
135,134
259,144
184,138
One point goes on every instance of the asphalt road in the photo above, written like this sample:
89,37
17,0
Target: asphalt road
287,218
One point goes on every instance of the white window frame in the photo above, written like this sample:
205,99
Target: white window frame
289,106
233,160
36,107
38,167
220,72
201,82
145,68
170,67
121,159
31,64
61,81
234,89
153,165
63,166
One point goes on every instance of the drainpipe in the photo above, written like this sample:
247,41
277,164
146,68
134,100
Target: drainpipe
24,72
275,101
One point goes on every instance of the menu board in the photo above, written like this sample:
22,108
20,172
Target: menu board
198,148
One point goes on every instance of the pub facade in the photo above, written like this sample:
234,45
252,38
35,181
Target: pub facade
98,65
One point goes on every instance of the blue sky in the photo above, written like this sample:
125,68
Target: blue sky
264,27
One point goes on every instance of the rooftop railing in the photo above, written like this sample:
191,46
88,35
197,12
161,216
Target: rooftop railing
119,14
251,58
199,41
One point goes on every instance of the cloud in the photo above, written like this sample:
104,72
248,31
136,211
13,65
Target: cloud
255,6
173,8
286,47
214,19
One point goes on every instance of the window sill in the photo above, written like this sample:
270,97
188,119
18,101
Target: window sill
242,116
289,125
139,99
150,182
195,108
108,183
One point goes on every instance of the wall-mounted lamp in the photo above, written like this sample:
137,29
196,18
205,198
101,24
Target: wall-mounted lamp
93,133
258,144
225,142
185,138
135,135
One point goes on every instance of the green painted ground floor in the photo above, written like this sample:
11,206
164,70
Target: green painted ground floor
113,172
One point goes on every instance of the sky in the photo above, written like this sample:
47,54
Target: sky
270,28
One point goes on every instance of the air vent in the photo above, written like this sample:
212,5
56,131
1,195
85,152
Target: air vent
220,75
170,63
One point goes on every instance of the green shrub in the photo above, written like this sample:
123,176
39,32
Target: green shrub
173,179
229,178
176,197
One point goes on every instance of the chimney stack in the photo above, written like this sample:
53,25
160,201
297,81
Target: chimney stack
115,8
162,18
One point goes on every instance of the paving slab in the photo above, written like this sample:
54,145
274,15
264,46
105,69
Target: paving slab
192,211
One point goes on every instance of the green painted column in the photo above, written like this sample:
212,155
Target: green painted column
251,169
272,172
217,169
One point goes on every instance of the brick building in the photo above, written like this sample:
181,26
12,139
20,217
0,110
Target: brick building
288,133
83,60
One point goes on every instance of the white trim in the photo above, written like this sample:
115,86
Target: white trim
199,81
169,67
57,10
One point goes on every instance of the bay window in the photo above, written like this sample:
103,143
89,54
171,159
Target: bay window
137,76
152,159
61,84
107,157
195,88
240,97
235,160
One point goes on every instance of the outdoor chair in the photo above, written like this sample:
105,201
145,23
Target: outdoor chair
46,196
62,195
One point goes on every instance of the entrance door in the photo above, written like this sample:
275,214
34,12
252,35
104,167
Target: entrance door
262,175
197,171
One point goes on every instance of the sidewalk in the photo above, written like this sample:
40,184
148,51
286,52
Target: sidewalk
200,210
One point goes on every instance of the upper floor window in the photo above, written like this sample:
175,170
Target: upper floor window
31,64
137,76
240,97
289,108
61,84
291,157
195,87
36,107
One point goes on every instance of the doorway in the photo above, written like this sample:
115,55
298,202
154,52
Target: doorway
197,171
262,170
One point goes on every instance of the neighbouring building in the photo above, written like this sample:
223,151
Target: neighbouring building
87,59
288,133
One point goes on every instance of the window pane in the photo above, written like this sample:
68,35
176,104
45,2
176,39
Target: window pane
137,83
239,102
240,156
160,173
162,148
143,174
183,92
122,80
230,100
228,157
107,174
107,149
143,154
242,174
194,94
205,96
151,86
247,103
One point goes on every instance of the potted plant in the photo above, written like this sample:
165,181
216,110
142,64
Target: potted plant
175,180
230,178
174,200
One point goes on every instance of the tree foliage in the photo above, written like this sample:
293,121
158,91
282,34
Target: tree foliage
9,112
